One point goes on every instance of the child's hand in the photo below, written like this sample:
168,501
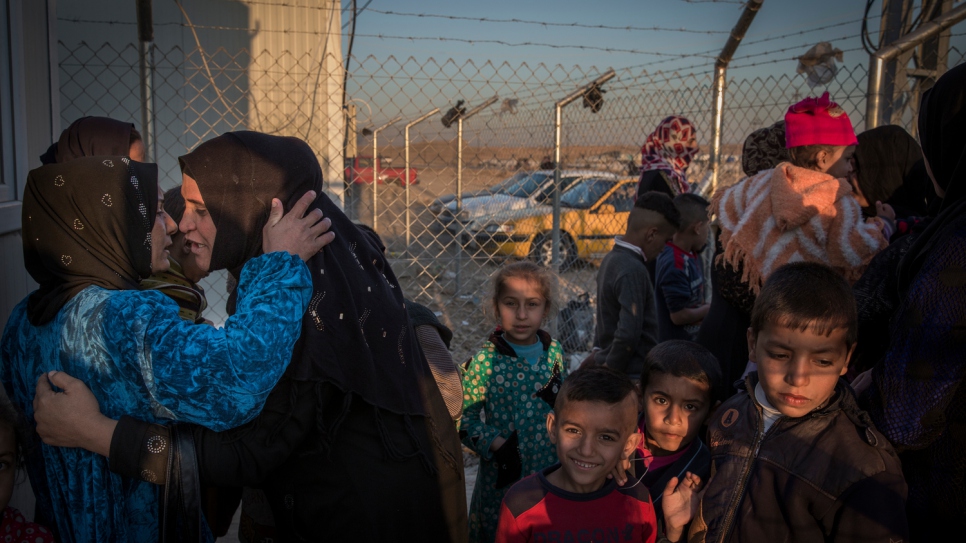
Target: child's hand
620,470
681,499
885,211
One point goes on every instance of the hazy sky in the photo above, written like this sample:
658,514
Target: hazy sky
779,19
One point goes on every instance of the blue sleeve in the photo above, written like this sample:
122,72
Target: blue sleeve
915,383
215,377
674,283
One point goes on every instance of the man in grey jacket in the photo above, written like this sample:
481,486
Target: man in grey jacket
626,310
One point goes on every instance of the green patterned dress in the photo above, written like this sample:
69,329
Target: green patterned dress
503,393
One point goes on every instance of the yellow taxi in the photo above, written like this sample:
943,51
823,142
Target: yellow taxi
592,212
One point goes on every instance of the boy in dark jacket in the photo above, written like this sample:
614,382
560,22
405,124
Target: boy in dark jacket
793,457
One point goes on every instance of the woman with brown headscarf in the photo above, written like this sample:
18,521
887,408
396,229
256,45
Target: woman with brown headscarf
96,227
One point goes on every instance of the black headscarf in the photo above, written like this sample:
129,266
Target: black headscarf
890,170
174,204
355,333
942,118
87,222
90,136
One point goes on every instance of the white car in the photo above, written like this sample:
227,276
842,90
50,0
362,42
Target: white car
522,191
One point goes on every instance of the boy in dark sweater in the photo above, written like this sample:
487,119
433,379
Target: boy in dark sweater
679,383
793,457
680,282
593,427
626,311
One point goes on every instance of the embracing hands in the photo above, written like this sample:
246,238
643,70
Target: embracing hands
296,232
71,418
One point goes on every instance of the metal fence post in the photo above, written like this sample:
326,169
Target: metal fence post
459,181
557,122
877,61
146,68
407,183
375,172
720,76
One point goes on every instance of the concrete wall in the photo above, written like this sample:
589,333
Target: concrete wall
28,129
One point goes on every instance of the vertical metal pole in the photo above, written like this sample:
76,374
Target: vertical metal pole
146,73
408,203
874,94
375,180
896,15
720,83
717,108
876,113
557,121
375,172
459,201
409,236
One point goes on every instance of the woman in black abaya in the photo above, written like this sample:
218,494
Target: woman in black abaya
917,397
355,442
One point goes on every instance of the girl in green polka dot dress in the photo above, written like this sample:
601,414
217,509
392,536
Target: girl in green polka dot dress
508,389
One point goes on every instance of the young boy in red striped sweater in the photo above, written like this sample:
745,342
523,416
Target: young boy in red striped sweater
593,425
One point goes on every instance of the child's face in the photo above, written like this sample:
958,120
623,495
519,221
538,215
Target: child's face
837,163
521,308
798,369
674,410
591,437
8,463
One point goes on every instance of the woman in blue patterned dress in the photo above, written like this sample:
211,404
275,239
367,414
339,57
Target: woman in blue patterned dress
95,227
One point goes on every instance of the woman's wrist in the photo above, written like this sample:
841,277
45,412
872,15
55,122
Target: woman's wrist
97,437
497,443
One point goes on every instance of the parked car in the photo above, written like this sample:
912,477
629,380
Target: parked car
522,191
360,170
593,212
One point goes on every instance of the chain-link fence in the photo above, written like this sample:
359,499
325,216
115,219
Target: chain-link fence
466,201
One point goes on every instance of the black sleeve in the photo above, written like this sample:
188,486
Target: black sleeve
243,456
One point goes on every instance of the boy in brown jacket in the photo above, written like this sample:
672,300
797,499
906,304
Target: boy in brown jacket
793,457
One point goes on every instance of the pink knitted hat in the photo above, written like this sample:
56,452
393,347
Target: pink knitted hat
818,121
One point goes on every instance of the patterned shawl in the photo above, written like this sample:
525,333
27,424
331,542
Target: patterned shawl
670,148
792,214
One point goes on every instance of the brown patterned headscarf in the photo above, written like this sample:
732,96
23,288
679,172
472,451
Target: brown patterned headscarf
90,136
764,149
87,222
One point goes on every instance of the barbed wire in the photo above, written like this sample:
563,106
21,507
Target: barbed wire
546,23
760,40
391,37
529,44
